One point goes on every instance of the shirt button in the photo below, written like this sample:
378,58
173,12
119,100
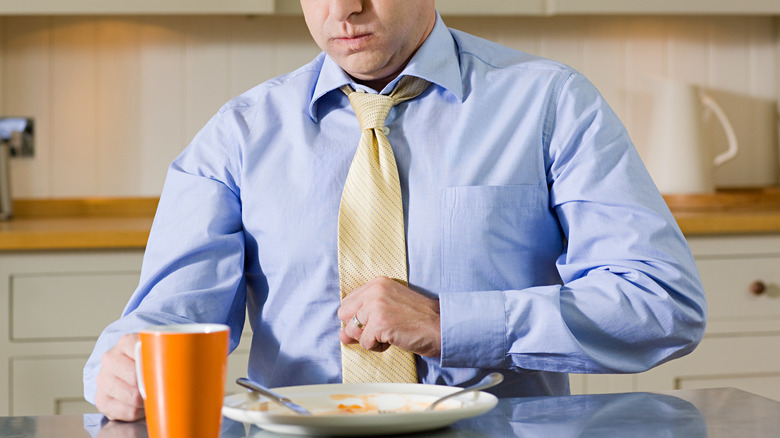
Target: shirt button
386,130
360,90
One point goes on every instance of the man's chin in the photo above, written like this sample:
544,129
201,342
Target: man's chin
364,67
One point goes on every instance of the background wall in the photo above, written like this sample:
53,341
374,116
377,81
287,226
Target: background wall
115,99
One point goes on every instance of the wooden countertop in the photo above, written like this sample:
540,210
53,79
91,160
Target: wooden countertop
93,223
727,211
105,223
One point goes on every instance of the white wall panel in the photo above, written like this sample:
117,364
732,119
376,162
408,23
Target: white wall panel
161,127
25,90
294,46
688,39
647,56
253,55
777,75
118,111
563,39
520,33
732,74
117,98
3,55
4,23
73,158
604,59
205,70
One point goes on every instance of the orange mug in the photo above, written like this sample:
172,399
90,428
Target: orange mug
181,370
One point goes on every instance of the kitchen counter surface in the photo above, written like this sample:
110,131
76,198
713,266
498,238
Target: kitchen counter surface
125,222
711,413
91,223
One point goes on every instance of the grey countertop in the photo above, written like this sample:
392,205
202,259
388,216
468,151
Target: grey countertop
713,413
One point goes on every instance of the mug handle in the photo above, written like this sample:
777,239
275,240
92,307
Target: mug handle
711,105
139,371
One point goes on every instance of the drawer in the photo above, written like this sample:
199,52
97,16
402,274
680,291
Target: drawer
50,386
766,385
238,362
727,284
750,363
53,385
67,306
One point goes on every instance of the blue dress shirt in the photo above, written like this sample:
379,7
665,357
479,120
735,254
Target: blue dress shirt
528,213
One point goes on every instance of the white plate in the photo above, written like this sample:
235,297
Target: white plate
351,409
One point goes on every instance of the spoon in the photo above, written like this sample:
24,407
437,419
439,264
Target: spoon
278,398
489,381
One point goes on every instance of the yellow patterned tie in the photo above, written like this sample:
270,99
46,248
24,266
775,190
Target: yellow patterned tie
371,227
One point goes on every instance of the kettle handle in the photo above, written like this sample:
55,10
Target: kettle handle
711,105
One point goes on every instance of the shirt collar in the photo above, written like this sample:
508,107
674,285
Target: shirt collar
436,61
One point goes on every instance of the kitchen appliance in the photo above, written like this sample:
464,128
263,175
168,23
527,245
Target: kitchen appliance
6,204
16,138
678,157
755,121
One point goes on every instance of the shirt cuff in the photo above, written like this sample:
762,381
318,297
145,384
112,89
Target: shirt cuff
473,329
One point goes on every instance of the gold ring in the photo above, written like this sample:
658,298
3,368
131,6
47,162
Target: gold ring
357,323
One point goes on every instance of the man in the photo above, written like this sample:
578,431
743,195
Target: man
536,242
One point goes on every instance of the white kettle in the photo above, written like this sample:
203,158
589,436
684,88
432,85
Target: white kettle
677,156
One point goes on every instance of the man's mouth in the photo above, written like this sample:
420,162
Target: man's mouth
353,41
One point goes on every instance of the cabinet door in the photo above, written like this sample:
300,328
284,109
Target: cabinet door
48,386
750,363
743,293
741,347
601,383
53,385
67,306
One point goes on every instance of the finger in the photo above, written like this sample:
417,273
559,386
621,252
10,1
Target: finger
349,307
355,321
117,366
116,410
368,340
126,345
117,394
351,330
114,391
346,339
116,399
124,370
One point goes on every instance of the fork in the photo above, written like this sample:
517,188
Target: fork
488,381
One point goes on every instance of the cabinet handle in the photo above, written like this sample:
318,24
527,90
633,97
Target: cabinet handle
757,287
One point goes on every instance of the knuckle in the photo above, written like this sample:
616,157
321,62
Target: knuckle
379,321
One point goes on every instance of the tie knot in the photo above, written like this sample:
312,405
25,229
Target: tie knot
372,109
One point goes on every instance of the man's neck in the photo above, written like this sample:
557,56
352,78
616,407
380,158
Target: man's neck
379,84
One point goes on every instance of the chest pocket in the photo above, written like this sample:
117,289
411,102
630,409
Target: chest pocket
498,238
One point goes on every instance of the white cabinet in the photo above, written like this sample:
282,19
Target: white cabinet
53,305
741,347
